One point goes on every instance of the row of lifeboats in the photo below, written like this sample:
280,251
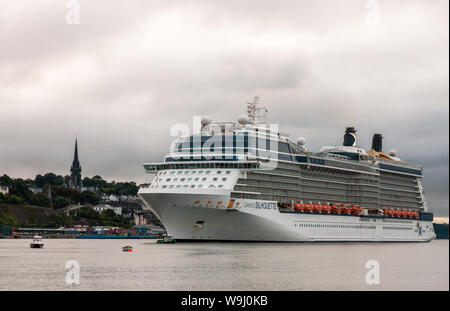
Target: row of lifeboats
400,213
338,209
348,209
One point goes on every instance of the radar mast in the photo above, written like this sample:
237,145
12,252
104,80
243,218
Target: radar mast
255,113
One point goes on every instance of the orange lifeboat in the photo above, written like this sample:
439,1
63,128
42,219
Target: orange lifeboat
346,209
355,210
326,208
308,208
416,214
297,207
389,212
336,208
397,213
404,214
410,214
317,208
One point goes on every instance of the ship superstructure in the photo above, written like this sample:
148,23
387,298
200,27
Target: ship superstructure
247,181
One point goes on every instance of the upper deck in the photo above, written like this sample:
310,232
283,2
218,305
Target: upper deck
249,145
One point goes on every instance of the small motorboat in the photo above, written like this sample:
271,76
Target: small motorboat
166,240
37,242
127,248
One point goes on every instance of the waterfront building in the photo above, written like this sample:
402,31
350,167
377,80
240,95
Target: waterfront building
103,207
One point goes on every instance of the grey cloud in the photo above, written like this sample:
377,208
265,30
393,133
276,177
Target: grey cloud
129,71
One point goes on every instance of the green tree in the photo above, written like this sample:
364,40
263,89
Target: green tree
39,199
56,221
60,202
13,199
49,179
20,188
8,218
89,197
72,195
85,212
108,214
5,180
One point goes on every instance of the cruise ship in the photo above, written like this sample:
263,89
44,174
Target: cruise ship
246,181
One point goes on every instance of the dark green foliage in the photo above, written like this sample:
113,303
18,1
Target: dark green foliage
57,220
60,202
5,180
8,218
106,218
121,188
49,179
39,199
72,195
85,212
20,188
108,214
95,181
11,199
62,196
89,197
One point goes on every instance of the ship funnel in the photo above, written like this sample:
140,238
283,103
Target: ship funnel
377,142
350,137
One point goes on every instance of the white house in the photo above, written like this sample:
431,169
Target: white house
36,190
4,189
113,198
103,207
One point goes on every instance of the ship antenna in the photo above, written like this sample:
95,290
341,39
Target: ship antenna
255,113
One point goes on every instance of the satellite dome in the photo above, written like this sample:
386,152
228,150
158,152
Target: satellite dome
301,141
392,152
243,119
206,121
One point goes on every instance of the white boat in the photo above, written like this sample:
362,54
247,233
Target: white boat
245,181
37,242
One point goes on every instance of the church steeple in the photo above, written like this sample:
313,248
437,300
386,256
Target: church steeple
75,156
75,170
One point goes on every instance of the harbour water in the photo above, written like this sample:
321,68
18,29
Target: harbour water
223,266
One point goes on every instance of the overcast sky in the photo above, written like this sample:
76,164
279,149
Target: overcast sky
129,70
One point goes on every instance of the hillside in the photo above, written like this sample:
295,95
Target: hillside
25,215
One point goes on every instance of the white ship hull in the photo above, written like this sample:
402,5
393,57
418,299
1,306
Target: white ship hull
251,220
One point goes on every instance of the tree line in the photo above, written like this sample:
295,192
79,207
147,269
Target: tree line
56,192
